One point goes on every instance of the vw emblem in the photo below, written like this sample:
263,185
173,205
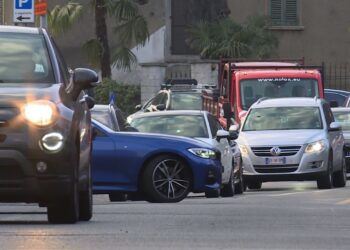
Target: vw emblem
275,151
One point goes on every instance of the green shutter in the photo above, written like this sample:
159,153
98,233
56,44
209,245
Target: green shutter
290,12
276,11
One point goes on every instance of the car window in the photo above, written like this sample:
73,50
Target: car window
328,114
24,59
181,125
343,117
158,99
103,117
339,98
186,101
282,118
214,125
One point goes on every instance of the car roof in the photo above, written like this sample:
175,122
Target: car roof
171,112
19,29
287,102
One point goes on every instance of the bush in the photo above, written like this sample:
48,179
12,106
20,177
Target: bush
127,96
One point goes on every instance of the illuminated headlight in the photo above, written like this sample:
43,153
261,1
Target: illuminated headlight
40,113
203,153
244,150
52,142
315,147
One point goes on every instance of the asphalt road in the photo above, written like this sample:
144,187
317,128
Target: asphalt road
283,215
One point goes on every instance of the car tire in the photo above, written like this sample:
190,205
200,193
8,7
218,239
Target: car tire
117,197
239,187
255,185
326,180
65,210
166,178
228,189
215,193
85,200
339,177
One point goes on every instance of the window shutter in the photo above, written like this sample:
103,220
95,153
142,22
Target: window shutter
276,11
291,12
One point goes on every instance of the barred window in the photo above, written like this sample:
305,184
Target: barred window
284,12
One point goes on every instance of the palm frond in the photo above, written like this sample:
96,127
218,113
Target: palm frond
123,58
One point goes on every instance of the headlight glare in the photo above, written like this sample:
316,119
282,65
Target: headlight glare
203,153
40,113
315,147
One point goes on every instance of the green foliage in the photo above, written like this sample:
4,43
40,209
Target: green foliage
127,96
62,18
226,38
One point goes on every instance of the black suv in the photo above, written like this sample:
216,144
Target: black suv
45,126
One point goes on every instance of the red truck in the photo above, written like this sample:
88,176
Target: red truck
241,83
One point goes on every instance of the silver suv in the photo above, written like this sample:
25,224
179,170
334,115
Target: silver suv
290,139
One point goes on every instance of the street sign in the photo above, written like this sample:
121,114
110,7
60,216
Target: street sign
23,11
40,7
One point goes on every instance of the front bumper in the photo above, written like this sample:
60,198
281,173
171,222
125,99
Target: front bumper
207,174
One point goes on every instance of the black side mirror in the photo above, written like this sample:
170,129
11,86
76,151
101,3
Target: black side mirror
333,104
233,135
138,107
85,78
160,107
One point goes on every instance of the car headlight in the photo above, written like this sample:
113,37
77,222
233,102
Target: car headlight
204,153
244,150
315,147
40,113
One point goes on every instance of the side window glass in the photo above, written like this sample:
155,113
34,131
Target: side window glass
213,125
157,99
66,73
328,114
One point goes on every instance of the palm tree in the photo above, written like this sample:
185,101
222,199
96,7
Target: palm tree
130,27
226,38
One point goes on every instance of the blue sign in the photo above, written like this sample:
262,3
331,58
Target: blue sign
24,4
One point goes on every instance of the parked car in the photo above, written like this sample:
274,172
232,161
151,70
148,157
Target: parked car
178,94
45,126
160,168
289,139
338,98
342,115
202,126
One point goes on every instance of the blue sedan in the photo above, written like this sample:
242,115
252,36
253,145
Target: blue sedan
162,168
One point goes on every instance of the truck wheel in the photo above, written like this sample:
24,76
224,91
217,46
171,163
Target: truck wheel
85,200
326,181
166,179
339,177
229,189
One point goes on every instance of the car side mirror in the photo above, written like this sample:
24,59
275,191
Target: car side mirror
138,107
160,107
221,134
233,135
334,126
85,78
333,104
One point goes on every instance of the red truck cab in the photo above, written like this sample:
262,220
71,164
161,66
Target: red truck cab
243,83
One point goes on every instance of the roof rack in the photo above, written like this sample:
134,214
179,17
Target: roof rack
179,84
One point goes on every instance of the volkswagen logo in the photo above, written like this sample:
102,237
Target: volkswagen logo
275,151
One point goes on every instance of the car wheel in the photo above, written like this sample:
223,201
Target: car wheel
339,177
65,210
240,187
85,200
118,197
215,193
166,179
254,185
229,189
326,181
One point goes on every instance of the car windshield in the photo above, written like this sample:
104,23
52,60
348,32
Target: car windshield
182,125
24,59
343,117
103,117
186,101
281,118
253,89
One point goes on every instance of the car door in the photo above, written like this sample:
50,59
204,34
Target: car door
223,145
335,138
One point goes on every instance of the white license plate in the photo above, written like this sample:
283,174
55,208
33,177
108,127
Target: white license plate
275,160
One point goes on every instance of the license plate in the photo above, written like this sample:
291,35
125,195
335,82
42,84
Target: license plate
275,160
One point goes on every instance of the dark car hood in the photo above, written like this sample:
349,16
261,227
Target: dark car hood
19,93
